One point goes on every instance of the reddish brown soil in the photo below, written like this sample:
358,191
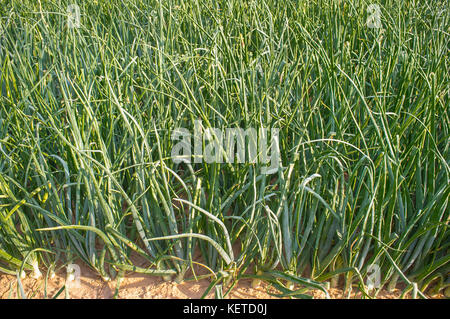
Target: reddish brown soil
146,287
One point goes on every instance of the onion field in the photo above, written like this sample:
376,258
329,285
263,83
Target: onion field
353,97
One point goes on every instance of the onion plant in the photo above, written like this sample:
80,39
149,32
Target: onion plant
87,114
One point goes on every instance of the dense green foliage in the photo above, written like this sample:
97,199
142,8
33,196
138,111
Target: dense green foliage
86,116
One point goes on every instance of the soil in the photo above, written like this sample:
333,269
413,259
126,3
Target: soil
142,286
